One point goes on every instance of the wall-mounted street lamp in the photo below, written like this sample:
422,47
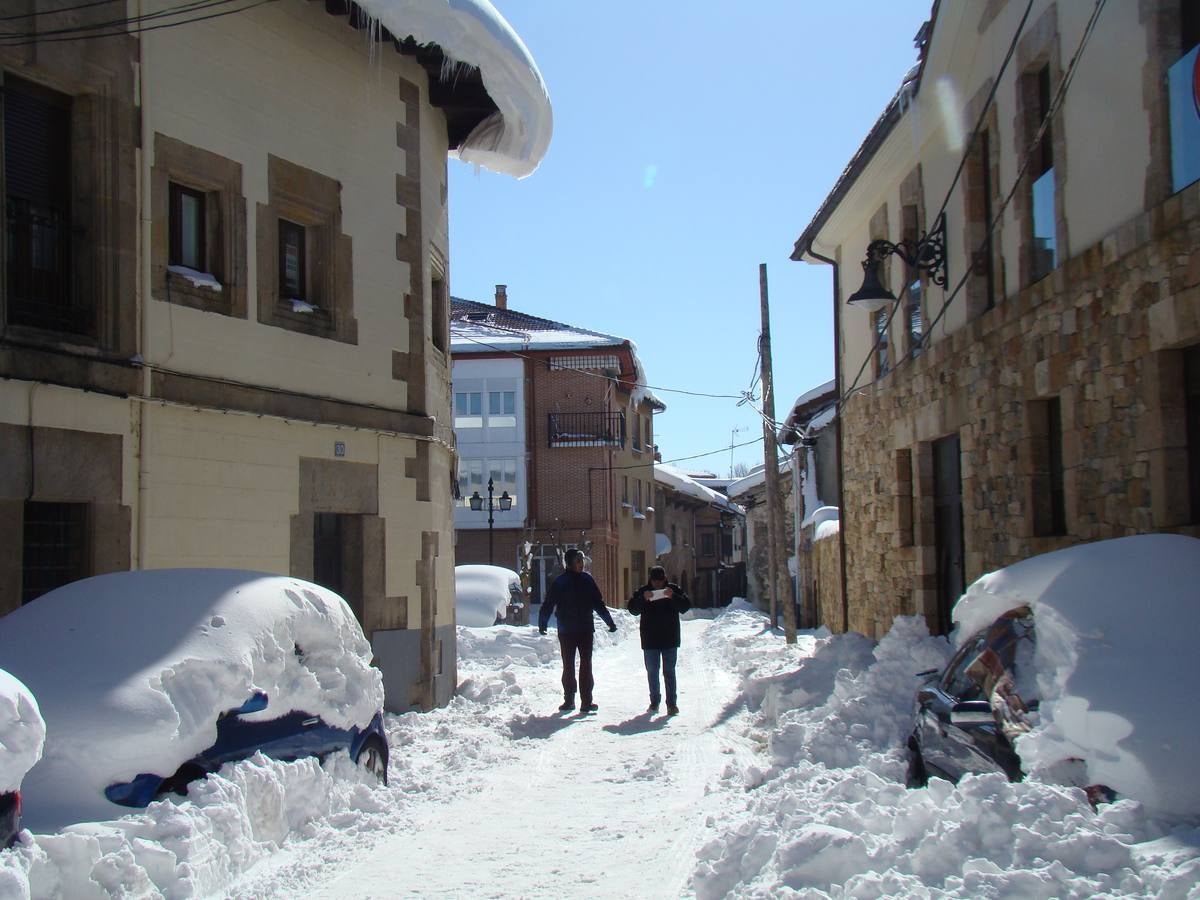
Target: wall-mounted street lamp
929,255
505,503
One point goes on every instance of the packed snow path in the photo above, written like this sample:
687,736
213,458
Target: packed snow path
611,803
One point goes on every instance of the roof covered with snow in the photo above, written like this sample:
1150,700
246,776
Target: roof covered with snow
668,475
485,328
756,478
809,413
508,129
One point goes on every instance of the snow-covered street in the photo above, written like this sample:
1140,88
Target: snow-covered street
782,773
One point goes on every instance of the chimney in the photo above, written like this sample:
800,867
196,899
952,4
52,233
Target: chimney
501,297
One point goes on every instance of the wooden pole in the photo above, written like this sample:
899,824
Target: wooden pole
778,584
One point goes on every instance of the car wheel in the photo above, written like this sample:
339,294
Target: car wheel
916,776
372,756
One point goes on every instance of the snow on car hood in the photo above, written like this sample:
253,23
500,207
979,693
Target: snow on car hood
132,669
513,140
481,592
1116,660
22,732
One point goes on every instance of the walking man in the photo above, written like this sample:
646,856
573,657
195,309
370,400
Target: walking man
576,596
659,603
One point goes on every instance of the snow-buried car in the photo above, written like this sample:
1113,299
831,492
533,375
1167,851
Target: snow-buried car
22,732
1076,666
150,679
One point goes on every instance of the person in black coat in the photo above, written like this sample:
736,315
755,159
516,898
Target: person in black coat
576,596
659,603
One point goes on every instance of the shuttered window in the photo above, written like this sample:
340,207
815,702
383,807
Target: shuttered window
37,188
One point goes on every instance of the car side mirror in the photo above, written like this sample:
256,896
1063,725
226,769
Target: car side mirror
256,703
972,713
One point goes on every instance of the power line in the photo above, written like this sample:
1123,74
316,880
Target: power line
1068,76
651,387
82,34
61,9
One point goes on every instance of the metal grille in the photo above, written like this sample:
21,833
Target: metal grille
54,549
601,362
593,429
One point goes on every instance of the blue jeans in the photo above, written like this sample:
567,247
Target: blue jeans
666,658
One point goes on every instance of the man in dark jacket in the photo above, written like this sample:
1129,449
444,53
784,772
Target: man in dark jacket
659,604
576,596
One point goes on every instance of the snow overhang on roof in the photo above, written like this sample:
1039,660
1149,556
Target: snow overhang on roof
810,412
666,474
510,132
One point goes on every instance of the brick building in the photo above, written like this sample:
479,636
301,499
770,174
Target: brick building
1033,379
224,321
558,418
699,540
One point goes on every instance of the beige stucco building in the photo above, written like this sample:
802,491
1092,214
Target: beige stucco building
225,335
1046,392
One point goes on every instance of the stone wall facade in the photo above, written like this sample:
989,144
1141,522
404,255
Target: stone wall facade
1103,335
827,582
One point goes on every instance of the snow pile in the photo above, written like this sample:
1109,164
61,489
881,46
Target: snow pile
513,140
830,816
1097,608
22,732
132,669
483,592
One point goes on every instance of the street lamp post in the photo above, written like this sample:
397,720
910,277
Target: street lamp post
505,503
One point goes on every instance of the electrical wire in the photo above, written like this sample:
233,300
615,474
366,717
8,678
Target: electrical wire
650,387
52,12
1055,104
35,38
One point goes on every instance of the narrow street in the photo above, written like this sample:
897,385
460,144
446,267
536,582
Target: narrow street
611,803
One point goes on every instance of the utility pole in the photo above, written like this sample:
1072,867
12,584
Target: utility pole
776,558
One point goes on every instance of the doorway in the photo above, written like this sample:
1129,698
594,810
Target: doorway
337,556
948,528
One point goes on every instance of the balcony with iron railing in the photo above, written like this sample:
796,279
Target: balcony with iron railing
586,429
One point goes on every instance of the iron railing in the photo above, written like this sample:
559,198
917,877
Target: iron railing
38,260
587,429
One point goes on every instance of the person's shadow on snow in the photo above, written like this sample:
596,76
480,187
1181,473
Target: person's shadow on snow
639,724
540,727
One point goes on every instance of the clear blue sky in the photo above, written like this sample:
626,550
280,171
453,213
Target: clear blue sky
693,140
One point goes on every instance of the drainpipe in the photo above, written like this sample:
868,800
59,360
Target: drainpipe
837,379
144,282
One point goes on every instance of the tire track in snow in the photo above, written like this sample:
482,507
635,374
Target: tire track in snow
607,804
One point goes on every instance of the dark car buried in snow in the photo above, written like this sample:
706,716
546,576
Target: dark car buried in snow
149,680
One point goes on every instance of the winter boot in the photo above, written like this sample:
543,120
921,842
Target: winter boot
588,706
567,705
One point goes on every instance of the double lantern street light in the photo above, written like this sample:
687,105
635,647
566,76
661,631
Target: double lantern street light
505,504
928,253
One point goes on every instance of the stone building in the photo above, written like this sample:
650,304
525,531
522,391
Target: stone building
699,538
559,418
1041,387
225,315
750,491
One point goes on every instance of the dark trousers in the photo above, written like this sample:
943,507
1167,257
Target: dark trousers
569,644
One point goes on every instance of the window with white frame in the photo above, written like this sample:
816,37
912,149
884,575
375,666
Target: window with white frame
468,409
473,475
502,409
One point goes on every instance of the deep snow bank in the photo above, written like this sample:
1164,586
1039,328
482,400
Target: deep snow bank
828,815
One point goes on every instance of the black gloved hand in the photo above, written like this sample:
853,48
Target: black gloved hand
541,631
612,628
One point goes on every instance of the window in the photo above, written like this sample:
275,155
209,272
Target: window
1191,368
439,308
637,430
1044,250
502,409
1046,445
198,229
468,409
38,225
638,564
473,475
904,498
625,489
882,364
637,495
910,216
292,270
303,255
981,231
708,544
187,228
55,547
